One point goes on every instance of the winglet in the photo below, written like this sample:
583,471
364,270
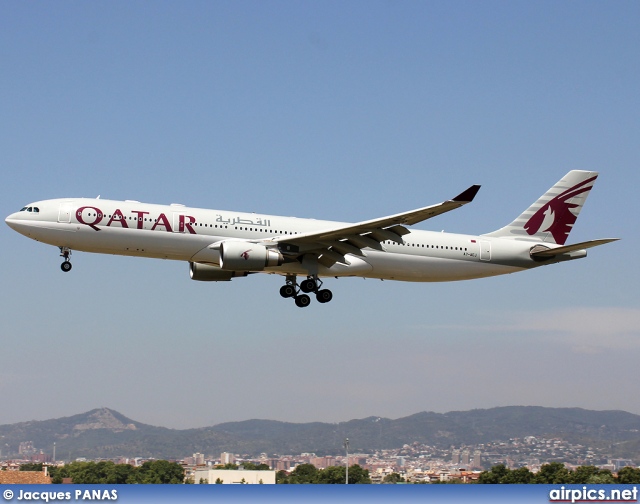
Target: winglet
468,195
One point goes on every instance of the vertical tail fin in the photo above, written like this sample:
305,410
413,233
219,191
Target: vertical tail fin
551,218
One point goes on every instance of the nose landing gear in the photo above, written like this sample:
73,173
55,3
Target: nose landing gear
66,265
311,284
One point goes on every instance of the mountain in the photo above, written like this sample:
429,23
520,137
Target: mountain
109,434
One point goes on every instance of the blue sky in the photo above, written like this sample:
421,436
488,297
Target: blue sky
331,110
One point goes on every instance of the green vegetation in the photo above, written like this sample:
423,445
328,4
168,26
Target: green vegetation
556,473
628,475
228,466
164,472
393,478
101,473
33,466
309,474
247,466
250,466
553,473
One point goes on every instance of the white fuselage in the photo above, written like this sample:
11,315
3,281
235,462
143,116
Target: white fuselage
185,234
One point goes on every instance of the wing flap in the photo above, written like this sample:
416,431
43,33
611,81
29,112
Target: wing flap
387,234
344,247
331,256
364,241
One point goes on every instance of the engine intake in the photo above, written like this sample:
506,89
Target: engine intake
246,256
210,273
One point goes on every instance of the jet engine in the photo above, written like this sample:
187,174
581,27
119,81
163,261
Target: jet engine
210,273
247,256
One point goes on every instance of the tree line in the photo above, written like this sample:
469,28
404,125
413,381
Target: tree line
165,472
109,473
247,466
556,473
310,474
553,473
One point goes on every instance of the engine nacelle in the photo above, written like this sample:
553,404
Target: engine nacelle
209,273
246,256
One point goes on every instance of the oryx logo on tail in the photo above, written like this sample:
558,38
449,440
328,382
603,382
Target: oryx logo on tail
556,216
551,217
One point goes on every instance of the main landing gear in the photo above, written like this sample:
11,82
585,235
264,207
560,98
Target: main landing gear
311,284
66,265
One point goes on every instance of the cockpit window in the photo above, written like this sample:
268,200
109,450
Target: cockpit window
23,209
34,209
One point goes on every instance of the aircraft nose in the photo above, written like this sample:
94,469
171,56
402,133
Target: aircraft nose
12,221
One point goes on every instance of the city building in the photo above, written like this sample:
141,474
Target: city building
227,458
323,462
476,461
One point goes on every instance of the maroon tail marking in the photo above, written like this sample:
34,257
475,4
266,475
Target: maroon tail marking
563,217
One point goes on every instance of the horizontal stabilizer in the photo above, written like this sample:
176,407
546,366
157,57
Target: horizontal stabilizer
541,251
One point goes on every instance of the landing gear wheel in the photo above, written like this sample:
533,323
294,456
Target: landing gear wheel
287,291
66,253
308,285
303,300
324,296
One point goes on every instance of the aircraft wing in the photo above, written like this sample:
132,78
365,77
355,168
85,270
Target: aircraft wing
331,245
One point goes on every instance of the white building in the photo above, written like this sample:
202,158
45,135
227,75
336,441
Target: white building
227,458
234,477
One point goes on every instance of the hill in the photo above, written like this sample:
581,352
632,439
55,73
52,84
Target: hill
109,434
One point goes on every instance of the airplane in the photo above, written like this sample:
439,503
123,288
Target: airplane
220,245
